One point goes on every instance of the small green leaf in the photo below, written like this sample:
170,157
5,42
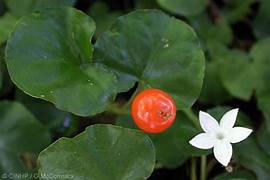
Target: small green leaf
213,90
184,7
22,138
237,74
208,31
169,58
54,46
101,152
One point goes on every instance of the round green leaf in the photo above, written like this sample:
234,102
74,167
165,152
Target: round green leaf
101,152
183,7
21,137
170,58
54,50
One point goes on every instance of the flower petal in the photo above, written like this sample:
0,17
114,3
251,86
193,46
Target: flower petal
208,123
228,119
223,152
203,141
238,134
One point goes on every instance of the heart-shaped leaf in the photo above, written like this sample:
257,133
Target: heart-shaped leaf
54,49
22,137
169,58
101,152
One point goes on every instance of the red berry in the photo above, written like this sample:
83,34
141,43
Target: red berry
153,110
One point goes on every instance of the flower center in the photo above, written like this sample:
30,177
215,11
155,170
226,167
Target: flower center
220,136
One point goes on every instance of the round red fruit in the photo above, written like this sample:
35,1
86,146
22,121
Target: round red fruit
153,110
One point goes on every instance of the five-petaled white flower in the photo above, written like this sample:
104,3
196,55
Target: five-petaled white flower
220,136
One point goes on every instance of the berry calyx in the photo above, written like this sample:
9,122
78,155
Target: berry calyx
153,110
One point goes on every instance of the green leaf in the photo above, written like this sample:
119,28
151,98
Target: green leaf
213,90
102,16
184,7
59,121
54,46
20,8
237,74
251,156
172,146
6,85
236,175
263,135
169,58
262,20
101,152
261,57
7,22
22,137
237,10
167,144
208,31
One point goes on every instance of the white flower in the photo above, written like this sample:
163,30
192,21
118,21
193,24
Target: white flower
220,136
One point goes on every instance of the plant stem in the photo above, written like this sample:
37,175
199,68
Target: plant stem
193,169
203,168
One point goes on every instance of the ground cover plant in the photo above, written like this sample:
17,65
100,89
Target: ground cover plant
134,89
